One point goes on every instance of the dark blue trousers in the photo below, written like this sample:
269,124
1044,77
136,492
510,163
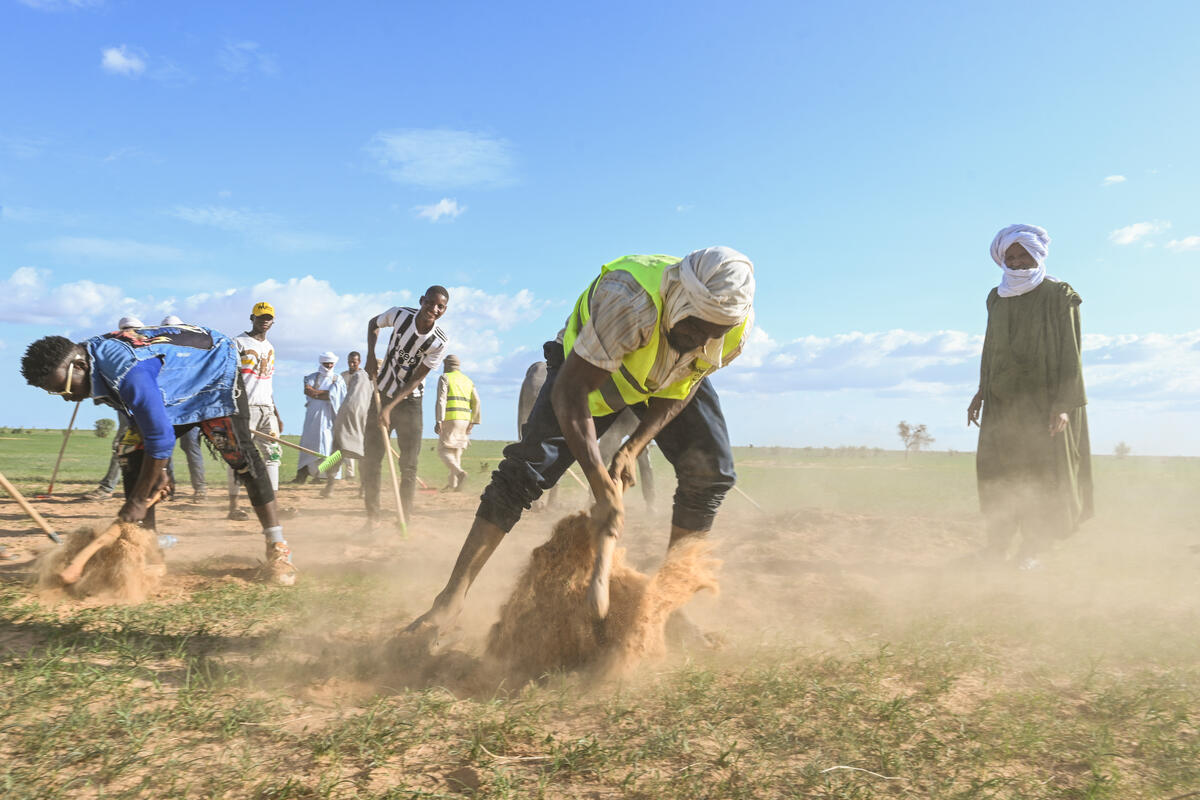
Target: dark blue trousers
696,443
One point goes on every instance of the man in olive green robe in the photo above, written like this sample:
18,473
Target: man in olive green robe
1033,461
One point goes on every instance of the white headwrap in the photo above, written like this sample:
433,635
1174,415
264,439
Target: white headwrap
1036,242
171,319
715,284
326,358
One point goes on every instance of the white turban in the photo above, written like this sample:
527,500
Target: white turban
1036,242
129,322
171,319
715,284
326,358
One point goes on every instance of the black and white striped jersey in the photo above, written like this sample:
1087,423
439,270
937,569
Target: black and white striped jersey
407,348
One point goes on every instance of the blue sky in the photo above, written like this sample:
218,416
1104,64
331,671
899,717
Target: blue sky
336,159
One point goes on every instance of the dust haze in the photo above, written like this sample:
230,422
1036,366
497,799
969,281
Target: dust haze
824,579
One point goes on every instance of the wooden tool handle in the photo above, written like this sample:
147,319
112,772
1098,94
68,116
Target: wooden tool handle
74,571
63,449
387,442
30,510
268,436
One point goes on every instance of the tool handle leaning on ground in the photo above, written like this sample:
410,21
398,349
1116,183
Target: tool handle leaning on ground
748,499
30,510
387,446
327,460
63,449
74,571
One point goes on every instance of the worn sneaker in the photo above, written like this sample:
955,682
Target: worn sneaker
279,567
238,514
199,495
96,494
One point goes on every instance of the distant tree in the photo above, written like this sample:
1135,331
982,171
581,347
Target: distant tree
104,428
915,437
1122,450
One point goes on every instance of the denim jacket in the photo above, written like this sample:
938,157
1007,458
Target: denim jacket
198,376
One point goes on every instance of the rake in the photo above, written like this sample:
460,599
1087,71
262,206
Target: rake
328,461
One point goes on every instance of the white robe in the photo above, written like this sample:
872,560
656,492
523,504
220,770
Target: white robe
319,416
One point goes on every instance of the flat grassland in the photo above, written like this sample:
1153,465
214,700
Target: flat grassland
861,657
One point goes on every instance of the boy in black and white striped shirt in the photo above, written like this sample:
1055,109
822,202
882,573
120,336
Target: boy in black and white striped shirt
416,346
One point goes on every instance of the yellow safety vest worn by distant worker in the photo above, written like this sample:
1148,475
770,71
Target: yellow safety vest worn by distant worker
459,389
627,385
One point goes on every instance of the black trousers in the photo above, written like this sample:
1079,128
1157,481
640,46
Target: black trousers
696,443
406,423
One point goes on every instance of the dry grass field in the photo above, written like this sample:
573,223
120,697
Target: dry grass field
851,652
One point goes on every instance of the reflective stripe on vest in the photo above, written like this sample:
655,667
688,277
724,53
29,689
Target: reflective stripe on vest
627,385
459,389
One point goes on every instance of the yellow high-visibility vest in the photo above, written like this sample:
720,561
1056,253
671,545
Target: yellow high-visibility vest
627,385
459,389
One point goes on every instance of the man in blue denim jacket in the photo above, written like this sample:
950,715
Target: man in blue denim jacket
168,379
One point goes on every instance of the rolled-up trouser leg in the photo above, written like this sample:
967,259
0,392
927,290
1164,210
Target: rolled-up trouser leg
697,444
533,465
230,436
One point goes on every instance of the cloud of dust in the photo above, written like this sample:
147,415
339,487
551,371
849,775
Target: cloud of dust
128,570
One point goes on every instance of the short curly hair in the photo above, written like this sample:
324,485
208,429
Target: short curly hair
43,357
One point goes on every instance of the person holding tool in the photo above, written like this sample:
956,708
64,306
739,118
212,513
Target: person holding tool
644,335
167,380
417,345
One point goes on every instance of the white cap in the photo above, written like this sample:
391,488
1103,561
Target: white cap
171,319
129,322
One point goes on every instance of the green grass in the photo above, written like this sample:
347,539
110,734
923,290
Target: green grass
1083,685
158,701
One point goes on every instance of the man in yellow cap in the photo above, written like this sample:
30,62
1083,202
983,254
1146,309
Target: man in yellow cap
257,366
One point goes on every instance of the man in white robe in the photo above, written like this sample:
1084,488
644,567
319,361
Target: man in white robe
325,391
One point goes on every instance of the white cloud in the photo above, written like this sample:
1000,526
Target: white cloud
29,299
1184,244
1138,230
268,230
122,61
239,58
882,361
1112,179
446,207
110,249
443,158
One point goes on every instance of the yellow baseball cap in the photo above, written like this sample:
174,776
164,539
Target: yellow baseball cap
262,308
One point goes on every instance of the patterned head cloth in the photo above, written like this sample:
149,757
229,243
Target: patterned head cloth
715,284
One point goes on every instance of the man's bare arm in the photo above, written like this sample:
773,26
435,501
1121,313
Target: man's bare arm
576,379
414,380
372,366
660,411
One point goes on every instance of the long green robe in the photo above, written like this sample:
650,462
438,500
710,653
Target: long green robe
1031,369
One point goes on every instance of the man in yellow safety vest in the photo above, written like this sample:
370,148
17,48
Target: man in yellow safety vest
645,334
457,413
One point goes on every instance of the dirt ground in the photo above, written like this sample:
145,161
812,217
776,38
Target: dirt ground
766,579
